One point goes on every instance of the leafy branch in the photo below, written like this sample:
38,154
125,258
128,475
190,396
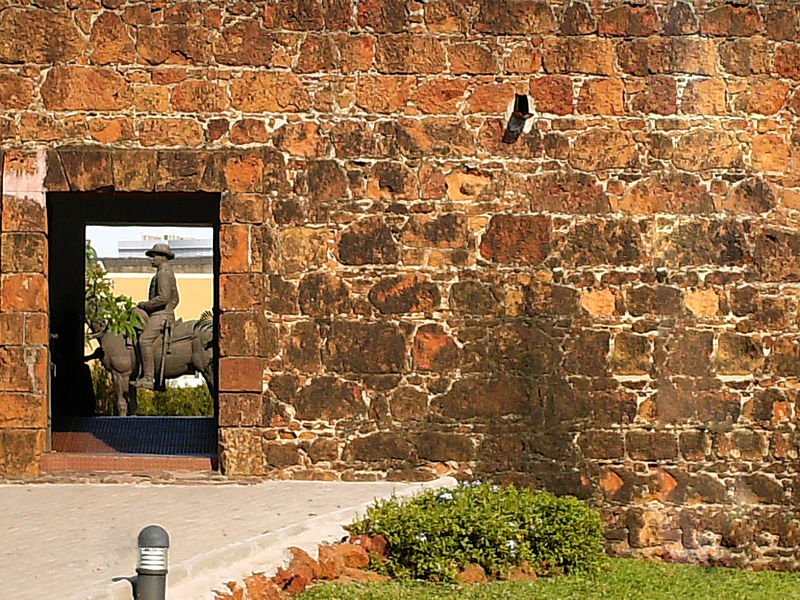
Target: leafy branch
104,308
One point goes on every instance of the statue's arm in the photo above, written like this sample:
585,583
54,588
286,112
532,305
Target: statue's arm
175,293
164,291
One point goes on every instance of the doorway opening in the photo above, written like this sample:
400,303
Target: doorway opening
181,419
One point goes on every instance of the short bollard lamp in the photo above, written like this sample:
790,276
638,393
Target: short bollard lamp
151,583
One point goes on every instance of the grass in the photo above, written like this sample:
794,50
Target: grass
618,579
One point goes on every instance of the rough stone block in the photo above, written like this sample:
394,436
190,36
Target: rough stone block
590,56
475,397
85,88
730,20
604,242
241,410
409,404
405,294
655,55
515,17
516,239
738,354
241,374
553,94
241,291
652,445
384,93
630,21
170,132
240,451
602,96
358,347
87,170
23,253
244,43
269,92
368,241
406,53
301,348
23,411
173,43
443,447
27,35
380,447
472,58
587,353
20,451
472,297
323,294
434,350
248,334
23,292
602,444
281,455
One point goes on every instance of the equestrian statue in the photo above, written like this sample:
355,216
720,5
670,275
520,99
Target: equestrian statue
164,348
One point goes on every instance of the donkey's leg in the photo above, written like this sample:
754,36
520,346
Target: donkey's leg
133,401
120,390
208,375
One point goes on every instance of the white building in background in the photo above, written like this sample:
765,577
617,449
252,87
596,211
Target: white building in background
183,247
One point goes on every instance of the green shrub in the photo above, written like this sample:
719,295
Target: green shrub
104,398
176,402
436,534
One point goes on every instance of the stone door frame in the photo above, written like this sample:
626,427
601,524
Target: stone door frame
241,177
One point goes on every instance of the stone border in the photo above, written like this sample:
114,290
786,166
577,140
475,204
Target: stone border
27,177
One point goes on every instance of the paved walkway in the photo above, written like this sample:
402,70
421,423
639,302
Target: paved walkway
69,541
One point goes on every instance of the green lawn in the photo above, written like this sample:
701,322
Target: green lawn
618,580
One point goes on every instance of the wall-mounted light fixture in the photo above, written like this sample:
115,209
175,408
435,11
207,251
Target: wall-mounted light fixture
520,113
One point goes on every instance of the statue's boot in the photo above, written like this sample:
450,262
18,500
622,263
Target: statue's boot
145,382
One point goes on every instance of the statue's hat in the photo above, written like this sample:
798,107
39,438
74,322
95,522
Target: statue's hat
161,248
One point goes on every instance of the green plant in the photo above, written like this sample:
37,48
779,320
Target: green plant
104,398
176,402
104,307
617,579
436,534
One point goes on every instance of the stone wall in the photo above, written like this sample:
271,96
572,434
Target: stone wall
606,308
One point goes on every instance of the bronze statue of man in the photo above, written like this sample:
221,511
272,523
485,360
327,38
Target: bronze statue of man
163,298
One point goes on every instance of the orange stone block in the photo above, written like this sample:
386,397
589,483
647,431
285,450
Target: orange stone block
170,132
85,88
384,93
440,96
22,410
704,97
16,92
769,153
200,97
107,131
602,97
241,374
269,91
490,98
23,293
234,244
244,172
240,291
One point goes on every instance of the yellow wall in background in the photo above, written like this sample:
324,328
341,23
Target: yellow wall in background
196,291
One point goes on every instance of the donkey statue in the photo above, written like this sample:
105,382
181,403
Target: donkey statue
190,349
